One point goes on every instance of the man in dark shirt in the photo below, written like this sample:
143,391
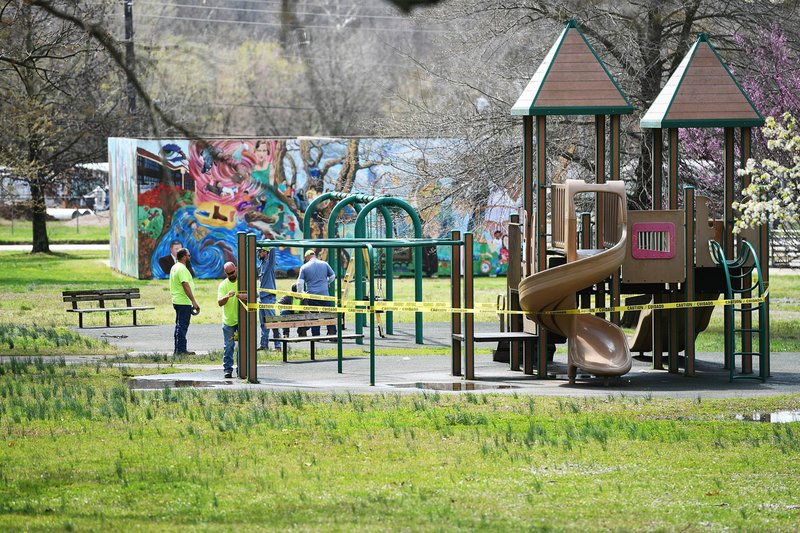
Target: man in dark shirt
167,261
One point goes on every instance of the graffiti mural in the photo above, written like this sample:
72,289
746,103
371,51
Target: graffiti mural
123,205
199,194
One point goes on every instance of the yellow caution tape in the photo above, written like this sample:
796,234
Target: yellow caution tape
382,306
299,295
659,306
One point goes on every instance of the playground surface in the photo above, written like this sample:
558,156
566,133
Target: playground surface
418,373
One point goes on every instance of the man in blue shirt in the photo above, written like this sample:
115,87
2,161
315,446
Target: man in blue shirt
266,280
314,278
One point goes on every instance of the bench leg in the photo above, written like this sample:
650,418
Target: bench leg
80,320
312,350
108,319
134,318
285,347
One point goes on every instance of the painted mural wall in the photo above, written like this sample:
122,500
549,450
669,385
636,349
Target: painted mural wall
199,194
122,192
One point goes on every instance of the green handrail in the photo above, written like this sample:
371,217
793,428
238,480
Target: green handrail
360,231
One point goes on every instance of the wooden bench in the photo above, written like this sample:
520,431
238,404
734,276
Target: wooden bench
305,320
102,296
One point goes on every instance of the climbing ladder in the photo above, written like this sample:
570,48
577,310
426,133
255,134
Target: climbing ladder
742,281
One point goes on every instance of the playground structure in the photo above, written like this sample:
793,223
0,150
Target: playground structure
365,264
678,259
663,254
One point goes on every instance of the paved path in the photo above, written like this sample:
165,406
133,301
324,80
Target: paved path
413,373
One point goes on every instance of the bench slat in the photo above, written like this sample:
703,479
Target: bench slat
299,324
300,317
86,298
108,309
320,338
99,292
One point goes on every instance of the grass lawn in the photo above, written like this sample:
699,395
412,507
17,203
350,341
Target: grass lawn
58,232
79,450
31,285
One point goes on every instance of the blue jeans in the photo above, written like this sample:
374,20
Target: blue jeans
276,334
323,303
227,351
183,315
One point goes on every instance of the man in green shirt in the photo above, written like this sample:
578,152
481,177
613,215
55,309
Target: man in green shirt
227,300
181,288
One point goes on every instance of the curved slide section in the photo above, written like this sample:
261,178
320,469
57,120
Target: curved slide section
596,346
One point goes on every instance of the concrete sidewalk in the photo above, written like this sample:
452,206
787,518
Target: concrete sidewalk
416,373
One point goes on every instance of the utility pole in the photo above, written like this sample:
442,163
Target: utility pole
129,58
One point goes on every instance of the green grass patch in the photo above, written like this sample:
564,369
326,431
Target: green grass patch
79,450
58,232
46,340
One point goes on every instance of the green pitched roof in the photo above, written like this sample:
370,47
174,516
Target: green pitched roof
572,80
702,93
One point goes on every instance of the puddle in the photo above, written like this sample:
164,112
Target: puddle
158,384
457,386
778,417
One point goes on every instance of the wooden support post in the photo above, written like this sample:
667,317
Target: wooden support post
541,227
600,176
528,219
616,131
658,204
455,296
689,286
763,258
469,318
513,276
727,238
672,133
599,218
657,156
747,316
586,243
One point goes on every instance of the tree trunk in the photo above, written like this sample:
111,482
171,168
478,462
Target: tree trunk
41,244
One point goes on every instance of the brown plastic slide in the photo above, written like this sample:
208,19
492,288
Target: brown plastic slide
596,346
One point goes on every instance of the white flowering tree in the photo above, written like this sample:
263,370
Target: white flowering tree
773,196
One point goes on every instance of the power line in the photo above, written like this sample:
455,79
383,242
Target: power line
277,25
269,12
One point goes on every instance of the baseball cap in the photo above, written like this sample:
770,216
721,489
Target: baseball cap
309,252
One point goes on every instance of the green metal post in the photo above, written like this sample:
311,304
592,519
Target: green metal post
371,314
455,297
241,243
469,318
358,271
417,222
339,322
252,316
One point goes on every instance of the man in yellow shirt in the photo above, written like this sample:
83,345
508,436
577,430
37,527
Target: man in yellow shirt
227,300
181,288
